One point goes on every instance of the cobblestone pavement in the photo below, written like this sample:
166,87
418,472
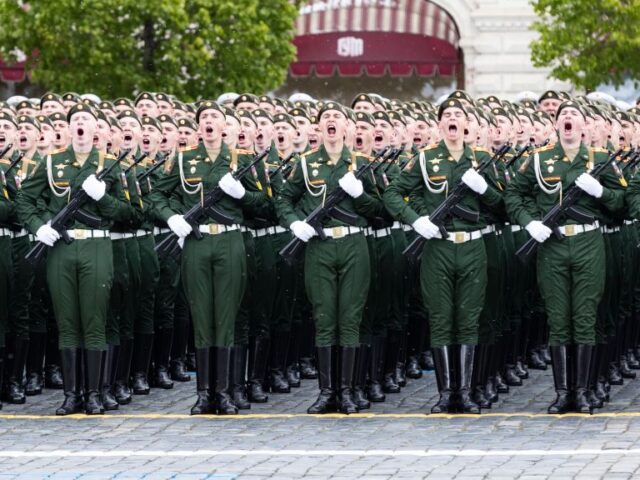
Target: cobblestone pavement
154,438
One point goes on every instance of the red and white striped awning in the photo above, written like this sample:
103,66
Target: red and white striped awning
400,37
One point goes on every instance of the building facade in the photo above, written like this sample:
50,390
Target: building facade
415,48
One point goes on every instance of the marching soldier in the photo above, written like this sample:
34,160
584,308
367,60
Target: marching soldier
570,271
337,300
454,269
213,269
79,274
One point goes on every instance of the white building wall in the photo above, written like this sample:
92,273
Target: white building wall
495,37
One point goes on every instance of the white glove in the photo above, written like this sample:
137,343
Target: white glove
303,230
181,242
538,230
179,225
474,181
232,187
47,235
590,185
95,188
426,228
350,184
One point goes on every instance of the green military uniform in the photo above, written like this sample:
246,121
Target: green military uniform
572,313
124,294
21,306
337,298
336,270
79,274
454,301
571,271
213,269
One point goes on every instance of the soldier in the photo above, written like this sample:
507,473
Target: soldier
144,329
213,269
453,270
570,271
79,274
146,105
337,301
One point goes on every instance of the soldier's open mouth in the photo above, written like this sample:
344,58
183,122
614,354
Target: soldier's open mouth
621,139
417,140
466,131
163,141
259,137
127,138
532,140
358,141
378,138
224,134
80,132
313,142
568,127
58,137
182,144
453,129
145,142
331,130
109,145
280,138
209,129
241,137
22,140
96,139
41,139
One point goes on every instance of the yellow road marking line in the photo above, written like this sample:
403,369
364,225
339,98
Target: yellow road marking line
269,416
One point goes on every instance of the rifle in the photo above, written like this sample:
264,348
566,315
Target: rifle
136,161
635,158
142,176
451,206
71,211
12,165
282,165
565,209
394,157
517,156
328,209
205,209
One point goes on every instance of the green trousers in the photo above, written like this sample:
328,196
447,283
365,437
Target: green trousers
119,289
5,281
368,323
214,278
243,318
264,289
453,279
571,275
150,275
383,310
40,305
489,321
21,286
399,288
80,277
337,273
167,289
285,295
609,304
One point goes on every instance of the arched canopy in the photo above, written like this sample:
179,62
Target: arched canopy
375,37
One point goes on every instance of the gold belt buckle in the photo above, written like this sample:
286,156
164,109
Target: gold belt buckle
459,237
213,229
79,234
569,230
337,232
